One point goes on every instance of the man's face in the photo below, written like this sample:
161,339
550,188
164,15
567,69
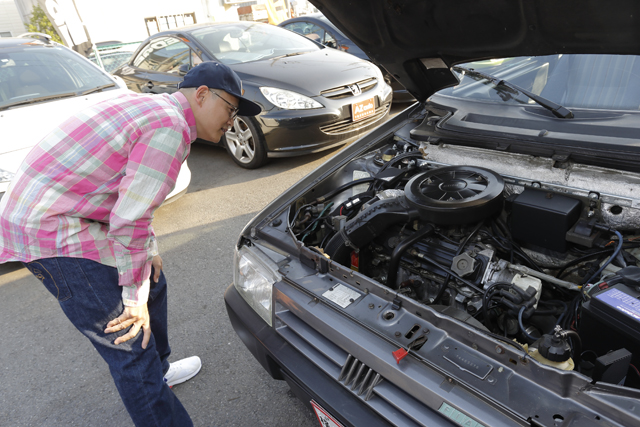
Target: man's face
215,115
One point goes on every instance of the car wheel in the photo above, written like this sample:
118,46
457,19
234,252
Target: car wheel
245,143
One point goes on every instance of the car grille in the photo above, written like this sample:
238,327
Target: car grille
389,401
347,125
345,91
361,378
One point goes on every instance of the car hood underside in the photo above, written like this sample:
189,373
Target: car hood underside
418,41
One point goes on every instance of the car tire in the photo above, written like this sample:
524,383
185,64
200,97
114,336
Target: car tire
245,143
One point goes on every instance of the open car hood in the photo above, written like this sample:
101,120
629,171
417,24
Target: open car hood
418,41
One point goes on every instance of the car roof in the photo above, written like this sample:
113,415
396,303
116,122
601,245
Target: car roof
193,27
19,41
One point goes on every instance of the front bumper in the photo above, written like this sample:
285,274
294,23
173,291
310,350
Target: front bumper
313,367
297,132
283,362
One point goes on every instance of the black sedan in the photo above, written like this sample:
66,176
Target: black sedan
319,29
312,98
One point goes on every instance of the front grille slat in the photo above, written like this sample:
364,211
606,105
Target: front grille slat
329,349
345,92
377,380
345,368
358,376
364,383
350,377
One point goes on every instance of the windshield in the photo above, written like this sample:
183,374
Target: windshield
237,43
604,82
28,72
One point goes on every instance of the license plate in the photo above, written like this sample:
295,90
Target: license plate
362,109
324,418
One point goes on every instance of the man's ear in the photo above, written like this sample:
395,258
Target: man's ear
201,94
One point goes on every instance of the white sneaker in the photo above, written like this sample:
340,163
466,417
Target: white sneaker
182,370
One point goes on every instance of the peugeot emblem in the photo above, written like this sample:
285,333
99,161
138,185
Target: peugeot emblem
355,89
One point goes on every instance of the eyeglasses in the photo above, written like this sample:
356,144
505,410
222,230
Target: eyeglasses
234,110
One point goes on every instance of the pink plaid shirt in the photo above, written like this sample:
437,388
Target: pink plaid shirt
89,188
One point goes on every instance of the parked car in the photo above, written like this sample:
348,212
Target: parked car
474,260
312,98
41,84
319,29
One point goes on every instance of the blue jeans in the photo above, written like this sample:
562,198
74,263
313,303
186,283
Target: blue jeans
89,295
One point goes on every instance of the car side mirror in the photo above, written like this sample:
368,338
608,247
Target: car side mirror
183,69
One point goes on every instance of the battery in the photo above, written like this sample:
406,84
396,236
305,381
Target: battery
610,320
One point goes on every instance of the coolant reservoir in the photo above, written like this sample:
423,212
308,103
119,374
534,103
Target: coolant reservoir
567,365
552,350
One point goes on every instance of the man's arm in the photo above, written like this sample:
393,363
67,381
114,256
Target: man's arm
154,162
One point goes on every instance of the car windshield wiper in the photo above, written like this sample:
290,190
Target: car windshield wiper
98,88
290,54
37,99
557,110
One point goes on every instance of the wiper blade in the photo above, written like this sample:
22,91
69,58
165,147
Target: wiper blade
97,89
557,109
289,54
37,99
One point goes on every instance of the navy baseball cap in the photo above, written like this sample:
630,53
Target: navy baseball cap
215,75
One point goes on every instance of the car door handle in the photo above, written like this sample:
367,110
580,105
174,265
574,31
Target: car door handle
150,85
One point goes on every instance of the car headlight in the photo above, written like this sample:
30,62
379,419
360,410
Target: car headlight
289,100
253,276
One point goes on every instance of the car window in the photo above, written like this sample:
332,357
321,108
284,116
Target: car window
244,42
164,54
33,72
329,25
313,32
297,27
329,40
609,82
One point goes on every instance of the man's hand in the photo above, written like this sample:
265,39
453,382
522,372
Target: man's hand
134,317
156,262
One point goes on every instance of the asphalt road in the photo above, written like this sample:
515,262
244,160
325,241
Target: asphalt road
52,376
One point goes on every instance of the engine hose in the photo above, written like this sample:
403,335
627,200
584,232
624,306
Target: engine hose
563,268
522,329
401,248
315,223
564,311
485,299
611,258
343,187
577,344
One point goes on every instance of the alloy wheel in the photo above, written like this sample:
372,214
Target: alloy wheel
241,141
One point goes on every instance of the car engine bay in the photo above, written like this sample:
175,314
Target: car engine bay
536,250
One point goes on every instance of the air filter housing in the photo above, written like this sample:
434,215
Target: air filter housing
456,195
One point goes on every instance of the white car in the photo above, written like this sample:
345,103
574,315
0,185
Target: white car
41,84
